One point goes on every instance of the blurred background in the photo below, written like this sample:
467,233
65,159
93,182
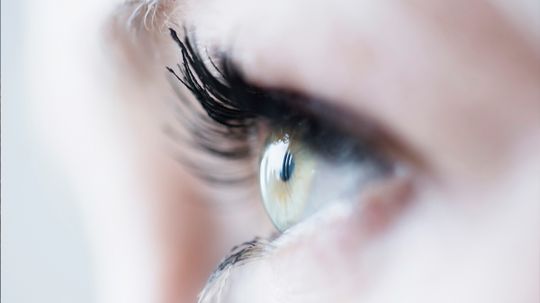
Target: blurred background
67,162
45,251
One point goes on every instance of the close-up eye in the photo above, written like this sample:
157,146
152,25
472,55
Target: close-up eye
303,169
306,161
279,151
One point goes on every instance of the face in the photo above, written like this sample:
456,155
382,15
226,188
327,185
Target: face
356,151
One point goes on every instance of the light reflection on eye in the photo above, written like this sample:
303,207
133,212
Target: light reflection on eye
295,181
286,174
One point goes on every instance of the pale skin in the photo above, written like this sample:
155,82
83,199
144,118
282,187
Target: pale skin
457,82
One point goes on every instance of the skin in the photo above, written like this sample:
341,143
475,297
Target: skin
456,82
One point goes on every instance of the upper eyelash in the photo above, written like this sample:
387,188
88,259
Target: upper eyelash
234,108
213,95
227,125
225,95
228,99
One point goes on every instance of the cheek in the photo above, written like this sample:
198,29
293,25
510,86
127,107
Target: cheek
432,250
331,257
314,266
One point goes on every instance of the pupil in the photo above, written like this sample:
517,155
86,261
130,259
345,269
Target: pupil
287,168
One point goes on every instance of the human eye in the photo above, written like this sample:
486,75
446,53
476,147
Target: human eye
295,148
304,166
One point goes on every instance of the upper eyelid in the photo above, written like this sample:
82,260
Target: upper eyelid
236,103
271,103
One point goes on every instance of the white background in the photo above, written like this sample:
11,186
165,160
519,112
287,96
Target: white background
74,222
45,253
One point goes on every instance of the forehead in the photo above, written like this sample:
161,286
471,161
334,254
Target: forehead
456,79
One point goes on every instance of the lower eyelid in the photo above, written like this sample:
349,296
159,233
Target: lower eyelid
343,228
239,255
383,203
376,210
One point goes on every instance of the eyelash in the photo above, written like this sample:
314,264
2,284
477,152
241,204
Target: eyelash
233,112
232,107
224,129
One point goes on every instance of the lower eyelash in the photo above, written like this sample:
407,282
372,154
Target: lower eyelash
240,255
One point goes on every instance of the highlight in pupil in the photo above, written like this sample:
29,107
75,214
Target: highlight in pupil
287,168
